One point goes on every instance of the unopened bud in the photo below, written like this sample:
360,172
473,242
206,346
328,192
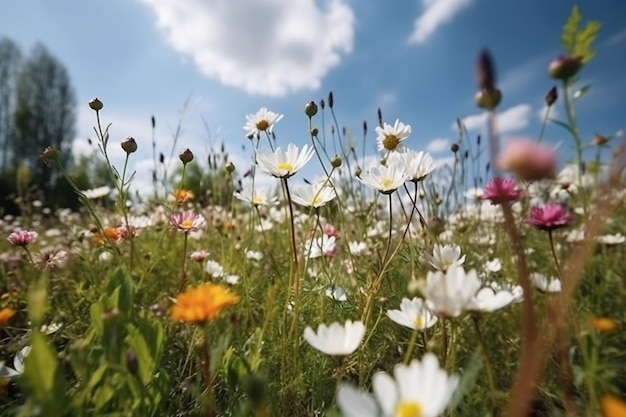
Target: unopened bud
322,104
50,153
564,67
230,167
335,161
331,100
161,158
314,131
454,147
485,71
488,99
599,140
95,104
186,156
357,172
310,109
129,145
551,96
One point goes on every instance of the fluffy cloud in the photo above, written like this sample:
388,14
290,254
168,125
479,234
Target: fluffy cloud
435,13
510,120
437,145
268,47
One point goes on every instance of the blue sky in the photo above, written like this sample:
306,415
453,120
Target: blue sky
413,58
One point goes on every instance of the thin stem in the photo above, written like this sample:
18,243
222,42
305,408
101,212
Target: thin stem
205,368
409,349
544,123
578,147
488,366
183,273
554,256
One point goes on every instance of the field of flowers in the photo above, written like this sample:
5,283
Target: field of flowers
493,286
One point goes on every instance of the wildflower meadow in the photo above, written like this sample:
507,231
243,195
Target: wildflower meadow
402,287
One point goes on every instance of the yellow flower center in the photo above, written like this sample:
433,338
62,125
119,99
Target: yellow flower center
186,224
256,200
408,409
317,200
287,166
419,322
262,125
387,182
391,142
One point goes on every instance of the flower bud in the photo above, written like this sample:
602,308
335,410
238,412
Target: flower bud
230,167
599,139
331,100
95,104
129,145
488,99
564,67
186,156
529,160
314,131
50,153
357,172
485,71
454,147
335,161
310,109
551,96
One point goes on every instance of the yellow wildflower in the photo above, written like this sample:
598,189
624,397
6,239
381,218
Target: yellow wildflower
203,303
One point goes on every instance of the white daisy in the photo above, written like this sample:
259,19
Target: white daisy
336,293
420,389
257,196
413,314
357,248
390,137
444,257
544,284
449,294
417,165
336,339
384,178
313,195
214,269
261,121
611,239
324,245
284,164
488,299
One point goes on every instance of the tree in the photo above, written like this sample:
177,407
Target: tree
44,114
10,61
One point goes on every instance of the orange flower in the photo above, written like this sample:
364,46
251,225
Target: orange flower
203,303
182,196
612,406
109,233
5,314
603,324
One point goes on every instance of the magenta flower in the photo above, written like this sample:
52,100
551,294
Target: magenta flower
549,217
187,221
501,191
22,237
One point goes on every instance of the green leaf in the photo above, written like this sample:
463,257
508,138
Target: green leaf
470,374
568,38
42,379
38,301
146,341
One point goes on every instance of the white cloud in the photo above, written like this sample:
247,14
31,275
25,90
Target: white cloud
616,38
268,47
437,145
435,13
541,114
510,120
81,147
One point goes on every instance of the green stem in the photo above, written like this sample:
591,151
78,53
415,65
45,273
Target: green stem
409,349
578,148
544,123
488,366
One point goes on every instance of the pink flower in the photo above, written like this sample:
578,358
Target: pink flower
22,237
549,217
529,160
330,230
199,255
501,191
187,221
